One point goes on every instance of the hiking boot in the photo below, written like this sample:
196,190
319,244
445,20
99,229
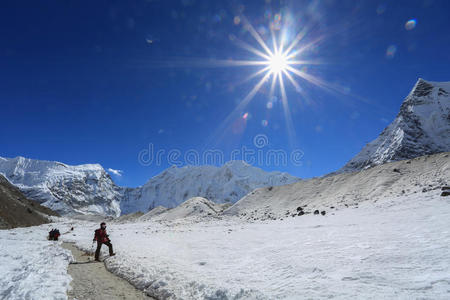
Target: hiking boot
112,254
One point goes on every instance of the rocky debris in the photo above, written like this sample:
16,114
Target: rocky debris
445,191
348,189
316,212
323,213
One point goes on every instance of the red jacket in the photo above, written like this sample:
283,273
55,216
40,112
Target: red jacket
101,236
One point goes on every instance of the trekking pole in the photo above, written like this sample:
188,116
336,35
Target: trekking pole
92,249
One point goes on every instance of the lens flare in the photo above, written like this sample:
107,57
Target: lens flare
390,51
411,24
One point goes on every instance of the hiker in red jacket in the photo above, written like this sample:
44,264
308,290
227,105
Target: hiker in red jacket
102,238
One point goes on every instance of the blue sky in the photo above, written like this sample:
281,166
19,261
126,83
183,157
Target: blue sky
100,81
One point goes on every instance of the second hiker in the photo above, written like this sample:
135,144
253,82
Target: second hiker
102,238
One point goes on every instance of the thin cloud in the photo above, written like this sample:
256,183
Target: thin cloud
115,172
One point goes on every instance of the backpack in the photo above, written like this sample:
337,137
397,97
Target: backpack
53,235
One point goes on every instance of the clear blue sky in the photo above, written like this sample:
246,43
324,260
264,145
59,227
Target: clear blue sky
98,81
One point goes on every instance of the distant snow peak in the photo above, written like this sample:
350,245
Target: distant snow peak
63,188
89,189
422,127
225,184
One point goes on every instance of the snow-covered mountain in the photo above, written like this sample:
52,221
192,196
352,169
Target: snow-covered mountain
63,188
88,189
223,184
422,127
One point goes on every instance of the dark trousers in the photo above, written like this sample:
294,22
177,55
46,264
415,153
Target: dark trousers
99,246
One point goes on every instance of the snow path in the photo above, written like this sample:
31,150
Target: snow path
92,281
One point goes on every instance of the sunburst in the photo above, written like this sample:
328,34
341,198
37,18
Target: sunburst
278,62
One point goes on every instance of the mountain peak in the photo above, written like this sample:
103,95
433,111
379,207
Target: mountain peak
227,183
421,127
64,188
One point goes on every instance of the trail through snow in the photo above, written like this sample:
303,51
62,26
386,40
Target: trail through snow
90,280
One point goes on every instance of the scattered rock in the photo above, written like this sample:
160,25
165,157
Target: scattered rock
301,213
299,208
323,213
316,212
396,170
270,188
445,193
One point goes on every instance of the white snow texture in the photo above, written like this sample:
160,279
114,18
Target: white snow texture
32,267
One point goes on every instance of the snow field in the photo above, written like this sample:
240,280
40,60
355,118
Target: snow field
32,267
394,248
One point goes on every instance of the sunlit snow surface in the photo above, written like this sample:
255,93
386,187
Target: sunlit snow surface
32,267
394,248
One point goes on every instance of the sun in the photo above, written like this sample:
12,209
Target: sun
278,62
281,57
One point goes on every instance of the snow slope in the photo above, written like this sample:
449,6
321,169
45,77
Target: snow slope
63,188
223,184
407,177
153,213
32,267
196,207
396,247
421,127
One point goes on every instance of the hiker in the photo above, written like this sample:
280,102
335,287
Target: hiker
102,238
53,235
